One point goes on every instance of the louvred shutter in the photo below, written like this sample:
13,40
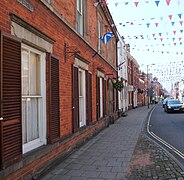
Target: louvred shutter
53,99
10,91
75,101
88,98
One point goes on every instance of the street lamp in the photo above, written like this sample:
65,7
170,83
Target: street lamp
147,83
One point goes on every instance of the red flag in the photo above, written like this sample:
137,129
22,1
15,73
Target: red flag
179,39
168,2
161,39
174,32
170,17
174,44
156,24
136,3
181,22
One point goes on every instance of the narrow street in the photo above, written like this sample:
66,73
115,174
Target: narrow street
168,127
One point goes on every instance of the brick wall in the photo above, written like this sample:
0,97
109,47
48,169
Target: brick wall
46,21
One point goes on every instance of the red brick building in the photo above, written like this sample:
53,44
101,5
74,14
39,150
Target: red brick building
133,81
56,80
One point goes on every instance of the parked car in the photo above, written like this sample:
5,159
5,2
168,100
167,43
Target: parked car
165,101
173,105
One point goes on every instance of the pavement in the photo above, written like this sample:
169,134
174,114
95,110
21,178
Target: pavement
122,151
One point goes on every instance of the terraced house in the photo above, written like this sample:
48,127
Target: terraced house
55,80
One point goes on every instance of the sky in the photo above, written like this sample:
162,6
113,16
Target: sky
154,30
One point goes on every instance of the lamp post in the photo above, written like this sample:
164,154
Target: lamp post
147,83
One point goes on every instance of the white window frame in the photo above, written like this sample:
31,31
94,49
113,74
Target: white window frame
42,104
82,99
101,97
80,17
100,34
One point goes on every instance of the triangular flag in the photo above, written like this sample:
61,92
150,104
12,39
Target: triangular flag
170,17
153,35
173,39
168,2
136,3
179,15
126,3
179,39
160,34
156,24
175,44
172,23
161,39
181,31
181,22
116,4
180,43
161,18
131,23
157,2
148,24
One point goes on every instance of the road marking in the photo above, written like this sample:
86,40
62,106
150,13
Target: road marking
161,140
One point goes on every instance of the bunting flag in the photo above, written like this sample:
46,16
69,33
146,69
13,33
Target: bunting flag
174,32
106,37
136,3
156,24
179,15
170,17
126,3
181,22
157,2
148,24
168,2
172,23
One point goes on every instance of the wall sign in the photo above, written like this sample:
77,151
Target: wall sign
26,5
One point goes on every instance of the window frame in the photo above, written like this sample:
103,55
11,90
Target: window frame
41,104
83,81
101,97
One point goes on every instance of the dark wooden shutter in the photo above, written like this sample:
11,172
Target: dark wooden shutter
97,97
75,101
113,95
10,109
104,97
53,99
88,98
